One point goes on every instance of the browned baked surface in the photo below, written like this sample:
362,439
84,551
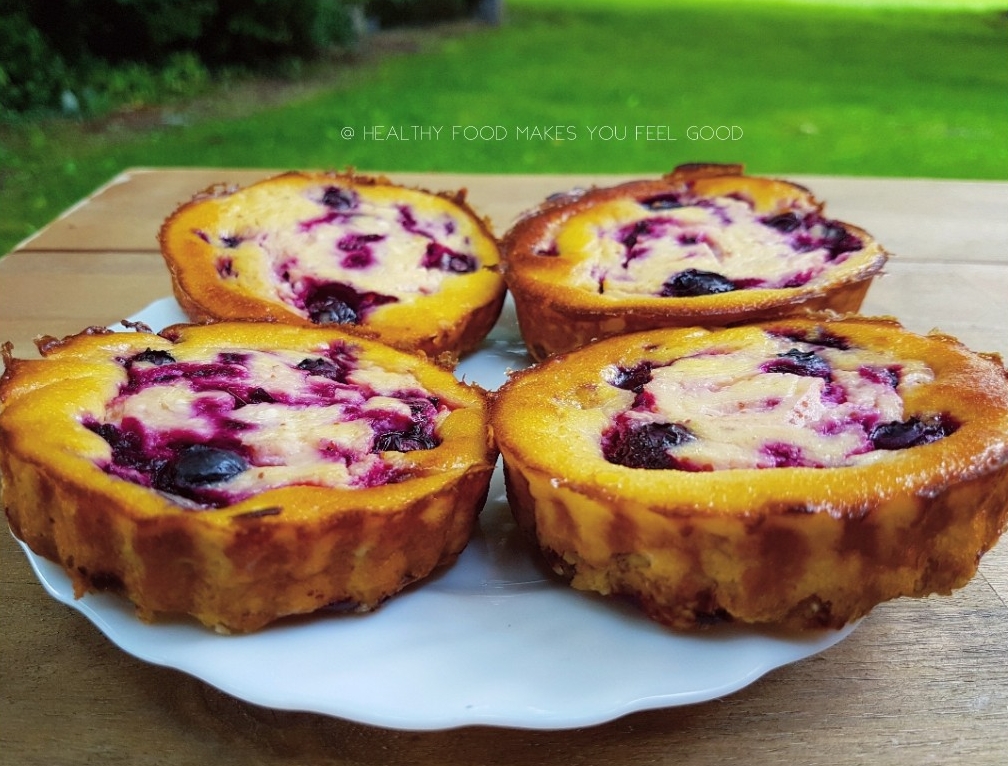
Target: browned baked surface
905,506
564,299
418,270
343,510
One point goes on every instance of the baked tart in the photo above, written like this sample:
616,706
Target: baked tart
796,472
240,472
703,245
415,269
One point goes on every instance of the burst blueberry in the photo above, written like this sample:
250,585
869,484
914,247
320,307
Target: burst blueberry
324,368
630,378
414,438
126,443
783,455
339,303
356,250
257,395
637,444
631,234
888,376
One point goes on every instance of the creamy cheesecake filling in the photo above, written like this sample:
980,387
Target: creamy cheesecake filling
334,254
783,403
218,429
675,246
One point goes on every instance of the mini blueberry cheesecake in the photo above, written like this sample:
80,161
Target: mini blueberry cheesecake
703,245
240,472
417,270
793,473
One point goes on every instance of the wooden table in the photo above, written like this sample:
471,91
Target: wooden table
919,681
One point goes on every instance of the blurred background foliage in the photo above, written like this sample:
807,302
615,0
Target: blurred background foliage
860,87
94,55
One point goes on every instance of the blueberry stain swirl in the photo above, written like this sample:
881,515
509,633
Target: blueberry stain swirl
813,402
211,432
676,245
331,258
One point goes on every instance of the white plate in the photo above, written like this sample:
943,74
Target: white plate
491,641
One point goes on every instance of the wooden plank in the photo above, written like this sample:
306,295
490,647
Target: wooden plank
966,300
49,293
911,218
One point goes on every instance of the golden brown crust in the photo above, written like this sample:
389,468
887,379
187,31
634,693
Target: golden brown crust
454,320
284,551
555,317
799,547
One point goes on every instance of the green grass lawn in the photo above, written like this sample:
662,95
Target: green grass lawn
863,87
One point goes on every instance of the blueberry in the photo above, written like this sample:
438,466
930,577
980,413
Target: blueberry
414,438
323,368
783,222
643,444
230,241
339,303
693,282
438,256
151,356
630,378
549,251
198,466
338,199
912,432
667,201
795,362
